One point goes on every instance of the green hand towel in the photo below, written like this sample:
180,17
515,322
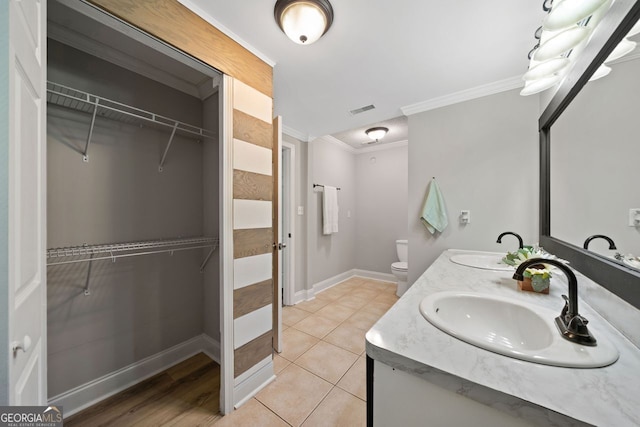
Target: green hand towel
434,213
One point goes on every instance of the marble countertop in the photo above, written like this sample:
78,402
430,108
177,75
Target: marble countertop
545,395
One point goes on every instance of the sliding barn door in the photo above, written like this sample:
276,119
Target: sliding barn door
27,299
253,234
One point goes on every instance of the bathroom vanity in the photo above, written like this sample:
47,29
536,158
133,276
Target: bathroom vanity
418,374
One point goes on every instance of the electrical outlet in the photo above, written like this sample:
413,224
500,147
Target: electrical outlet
465,217
300,210
634,217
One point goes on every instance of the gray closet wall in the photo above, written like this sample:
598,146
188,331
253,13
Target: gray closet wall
142,305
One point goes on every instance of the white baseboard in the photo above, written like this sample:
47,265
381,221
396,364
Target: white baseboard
211,348
332,281
251,382
88,394
385,277
309,294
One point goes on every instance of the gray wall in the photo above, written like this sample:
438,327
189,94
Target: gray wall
334,254
381,203
138,306
484,154
4,203
300,199
594,163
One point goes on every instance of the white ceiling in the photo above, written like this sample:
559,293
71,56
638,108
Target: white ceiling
390,54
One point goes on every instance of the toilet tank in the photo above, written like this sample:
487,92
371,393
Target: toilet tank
402,248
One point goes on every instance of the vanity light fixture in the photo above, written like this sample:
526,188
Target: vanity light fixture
376,134
303,21
566,13
624,47
562,36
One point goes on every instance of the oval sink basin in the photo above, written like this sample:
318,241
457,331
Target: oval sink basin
483,261
512,328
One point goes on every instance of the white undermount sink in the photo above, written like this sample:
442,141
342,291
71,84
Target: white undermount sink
512,328
486,261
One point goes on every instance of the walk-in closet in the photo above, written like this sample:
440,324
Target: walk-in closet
132,207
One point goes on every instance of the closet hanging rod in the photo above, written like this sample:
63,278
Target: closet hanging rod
75,99
121,250
320,185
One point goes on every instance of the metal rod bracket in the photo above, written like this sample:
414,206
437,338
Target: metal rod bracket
166,150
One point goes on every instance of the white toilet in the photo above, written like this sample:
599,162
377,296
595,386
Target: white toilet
399,269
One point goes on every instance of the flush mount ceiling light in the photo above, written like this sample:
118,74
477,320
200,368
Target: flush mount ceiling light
376,133
303,21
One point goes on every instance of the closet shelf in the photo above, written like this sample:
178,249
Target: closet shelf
65,96
120,250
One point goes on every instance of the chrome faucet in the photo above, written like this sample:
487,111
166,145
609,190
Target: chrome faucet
612,245
571,325
520,243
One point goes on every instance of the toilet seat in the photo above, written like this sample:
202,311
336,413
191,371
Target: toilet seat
400,266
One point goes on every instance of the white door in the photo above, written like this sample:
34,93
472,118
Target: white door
27,195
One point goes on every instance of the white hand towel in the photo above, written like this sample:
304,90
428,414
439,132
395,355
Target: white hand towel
434,213
330,210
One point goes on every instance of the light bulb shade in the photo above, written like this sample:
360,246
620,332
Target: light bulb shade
534,86
561,42
546,69
565,13
635,30
624,47
303,21
602,71
376,133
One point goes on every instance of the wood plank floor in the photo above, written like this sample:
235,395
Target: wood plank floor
187,394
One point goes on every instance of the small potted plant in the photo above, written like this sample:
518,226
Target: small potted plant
537,278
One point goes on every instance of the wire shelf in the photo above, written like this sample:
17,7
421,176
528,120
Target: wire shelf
74,99
119,250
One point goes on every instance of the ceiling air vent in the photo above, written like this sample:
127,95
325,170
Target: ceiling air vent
362,109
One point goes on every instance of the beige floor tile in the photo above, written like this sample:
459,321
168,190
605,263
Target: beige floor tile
292,315
386,297
279,363
362,320
352,301
252,413
364,292
378,308
347,337
316,325
335,311
381,286
355,380
294,343
313,305
294,394
339,409
327,361
333,293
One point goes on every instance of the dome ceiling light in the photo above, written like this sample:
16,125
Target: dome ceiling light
303,21
376,134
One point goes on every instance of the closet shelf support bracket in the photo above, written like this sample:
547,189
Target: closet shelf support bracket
85,155
166,150
206,260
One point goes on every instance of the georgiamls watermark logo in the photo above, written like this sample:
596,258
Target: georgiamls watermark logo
31,416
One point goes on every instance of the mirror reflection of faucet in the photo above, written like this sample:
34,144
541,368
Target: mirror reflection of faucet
520,242
612,245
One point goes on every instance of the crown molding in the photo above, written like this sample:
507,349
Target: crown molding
382,147
464,95
295,133
191,5
335,141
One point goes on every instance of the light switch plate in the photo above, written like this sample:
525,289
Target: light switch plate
300,210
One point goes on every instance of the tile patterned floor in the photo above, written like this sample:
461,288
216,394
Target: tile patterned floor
321,370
